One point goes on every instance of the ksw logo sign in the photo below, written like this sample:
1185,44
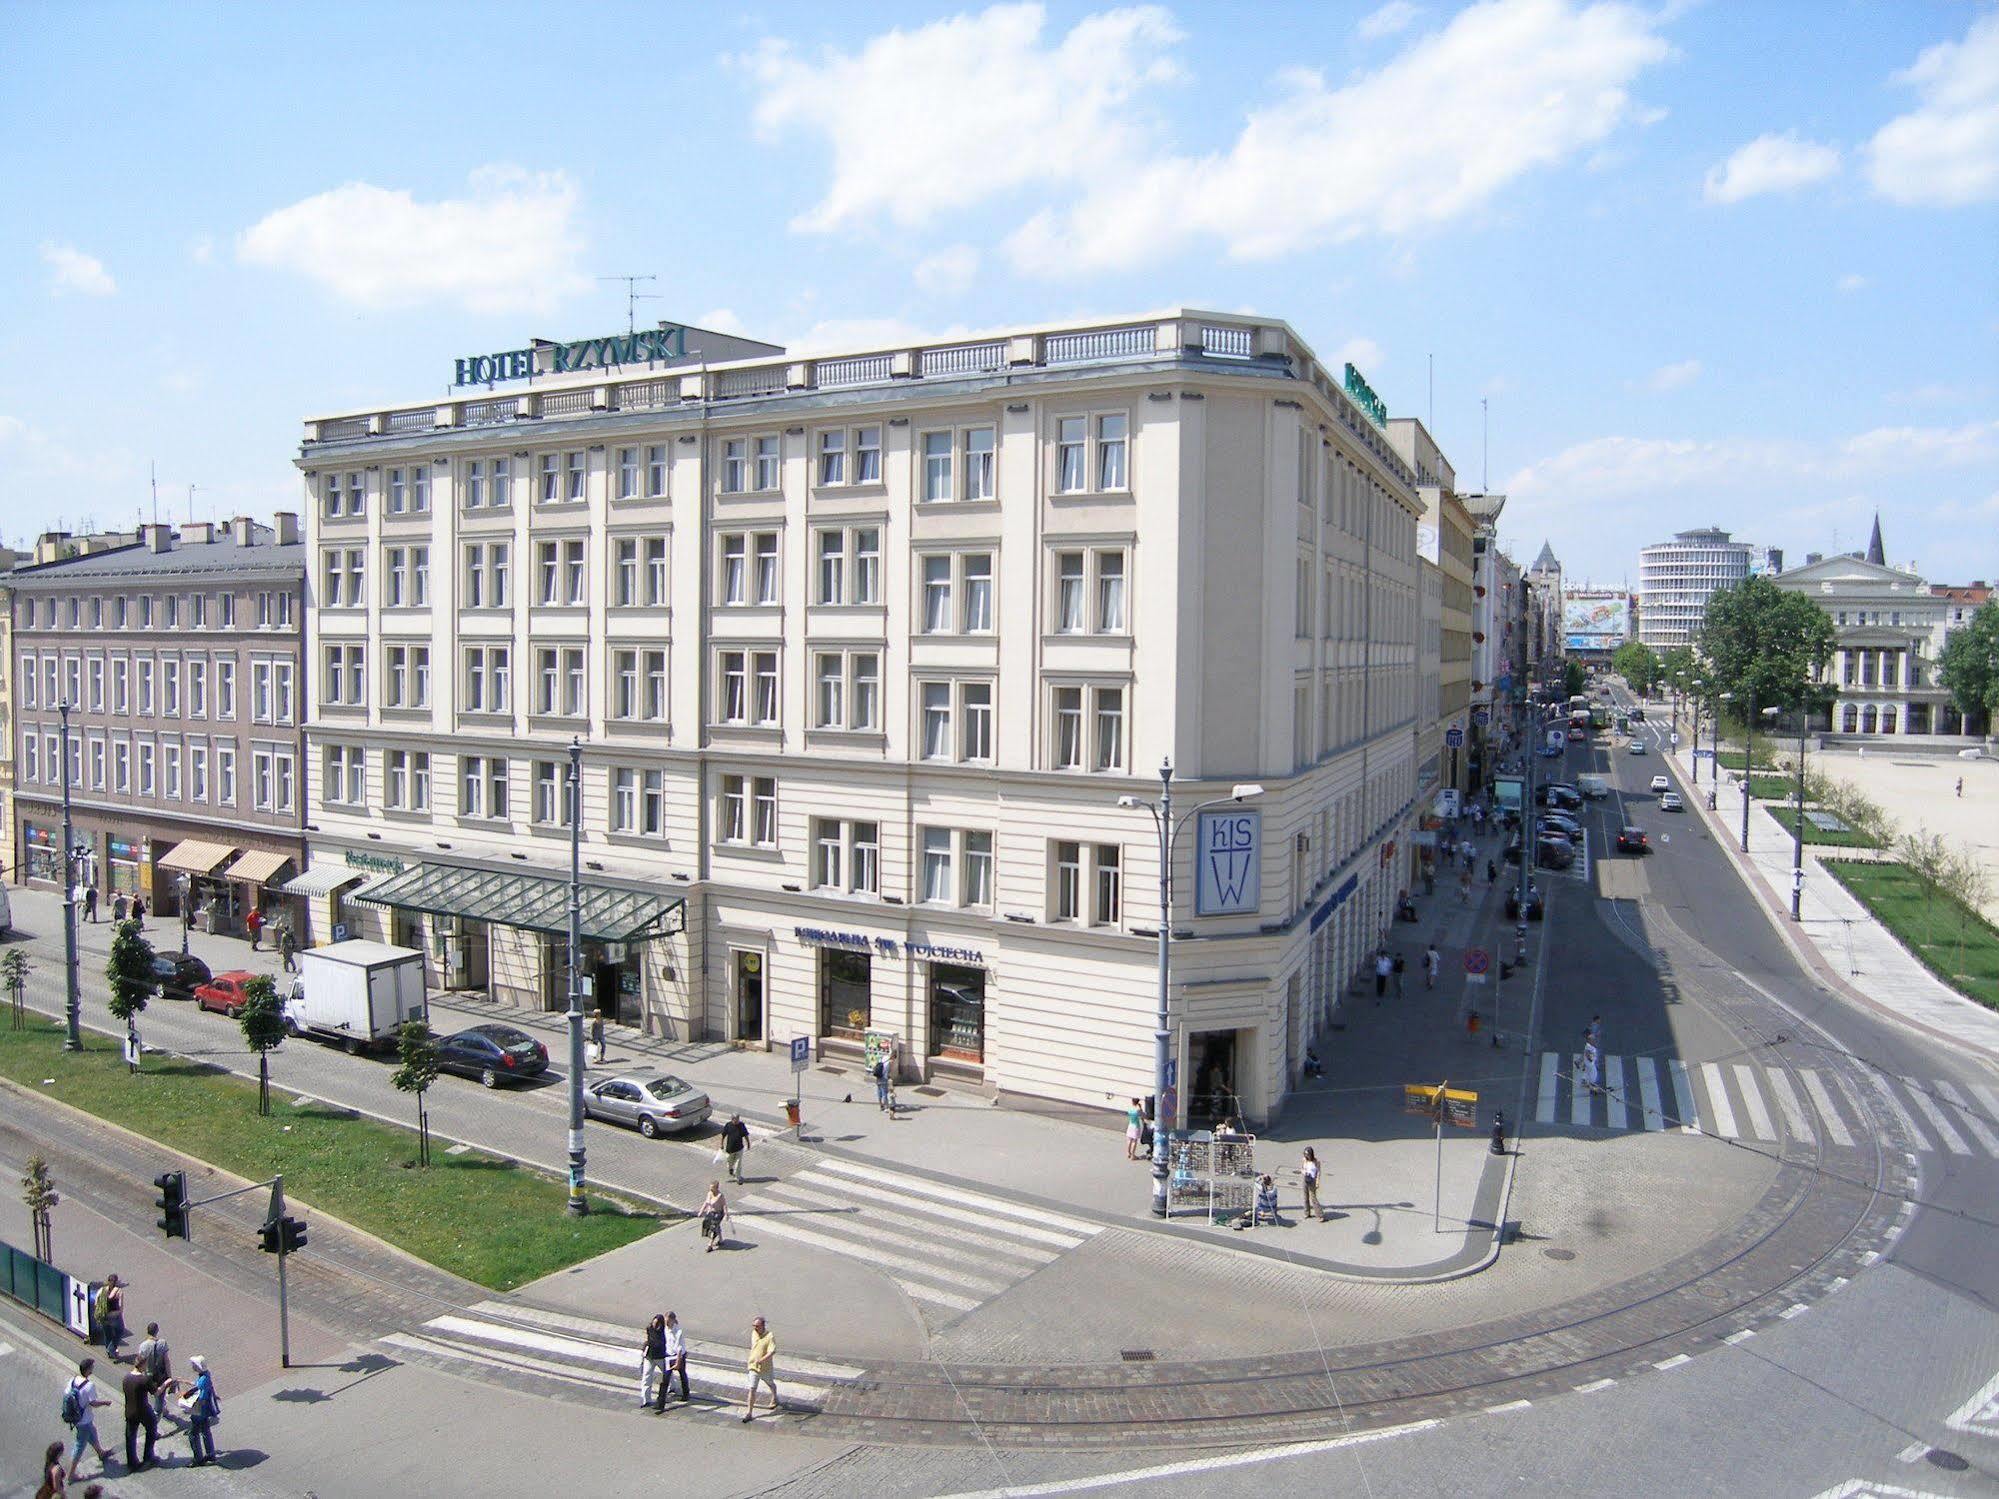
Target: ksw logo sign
1228,863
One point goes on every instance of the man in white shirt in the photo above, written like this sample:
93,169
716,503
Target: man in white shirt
676,1358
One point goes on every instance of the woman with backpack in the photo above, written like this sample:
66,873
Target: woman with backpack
204,1409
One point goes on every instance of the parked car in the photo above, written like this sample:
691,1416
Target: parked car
657,1102
1512,852
1669,801
179,974
1566,821
492,1054
1631,840
1637,714
1534,904
1638,747
1552,851
224,993
1660,783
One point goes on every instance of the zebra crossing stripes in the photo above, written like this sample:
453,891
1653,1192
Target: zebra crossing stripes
1579,1099
1952,1140
1835,1127
1967,1115
1613,1078
1545,1102
1648,1092
1989,1098
1683,1096
1752,1103
1717,1099
1917,1138
947,1248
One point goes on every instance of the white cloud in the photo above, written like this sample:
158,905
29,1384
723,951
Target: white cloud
72,270
1393,17
1852,281
509,244
948,271
1770,164
1945,153
1673,376
723,320
1508,87
923,121
847,335
1363,354
201,249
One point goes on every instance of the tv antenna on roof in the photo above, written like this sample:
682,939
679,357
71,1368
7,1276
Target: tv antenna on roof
633,296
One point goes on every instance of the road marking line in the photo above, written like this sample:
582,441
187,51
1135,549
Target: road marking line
901,1196
1613,1093
1752,1103
1579,1093
619,1333
1795,1309
1594,1385
1742,1335
5,1349
1822,1101
1839,1283
1987,1097
1717,1101
917,1186
556,1346
999,1255
1980,1413
1911,1452
1674,1362
1873,1256
1510,1405
1544,1112
1197,1464
1648,1092
1953,1141
1968,1116
1888,1097
1792,1110
1683,1097
882,1259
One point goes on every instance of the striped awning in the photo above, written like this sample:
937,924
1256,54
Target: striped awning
257,866
194,857
323,879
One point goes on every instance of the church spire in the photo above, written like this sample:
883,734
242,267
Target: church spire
1874,552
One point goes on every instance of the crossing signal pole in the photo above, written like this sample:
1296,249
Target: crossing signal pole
280,1235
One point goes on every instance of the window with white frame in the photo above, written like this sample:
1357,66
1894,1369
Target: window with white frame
27,679
559,573
764,577
225,775
94,674
748,811
407,681
559,682
975,721
1111,434
1092,453
486,574
548,479
935,866
1087,886
488,688
149,754
937,613
656,471
574,468
849,564
638,802
225,687
341,679
95,760
1065,750
975,570
1072,454
849,456
955,866
629,472
847,690
934,720
735,465
419,488
397,491
747,688
1107,728
197,772
274,779
832,569
474,484
980,479
482,786
546,807
936,473
346,774
146,668
121,766
638,684
406,780
846,856
766,473
956,593
399,589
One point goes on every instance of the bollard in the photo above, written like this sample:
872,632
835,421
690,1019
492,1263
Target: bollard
1498,1133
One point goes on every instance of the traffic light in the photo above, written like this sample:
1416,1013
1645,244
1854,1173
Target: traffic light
172,1203
267,1237
282,1236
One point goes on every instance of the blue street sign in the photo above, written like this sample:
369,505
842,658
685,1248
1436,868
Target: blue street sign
1454,737
801,1053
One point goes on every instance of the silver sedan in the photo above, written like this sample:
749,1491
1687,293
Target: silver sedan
657,1102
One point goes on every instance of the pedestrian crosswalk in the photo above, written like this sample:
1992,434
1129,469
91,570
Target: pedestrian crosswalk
1741,1101
949,1249
500,1340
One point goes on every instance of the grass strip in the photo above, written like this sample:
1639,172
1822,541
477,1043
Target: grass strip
1732,759
1850,838
1772,788
475,1215
1954,942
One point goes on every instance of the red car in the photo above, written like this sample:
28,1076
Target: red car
224,993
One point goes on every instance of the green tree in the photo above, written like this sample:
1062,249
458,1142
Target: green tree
1969,666
130,970
263,1023
38,1191
1638,664
14,971
418,1052
1765,645
1574,678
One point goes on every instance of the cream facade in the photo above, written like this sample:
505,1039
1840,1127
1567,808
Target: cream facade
861,653
1887,629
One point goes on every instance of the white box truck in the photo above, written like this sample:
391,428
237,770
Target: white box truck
356,993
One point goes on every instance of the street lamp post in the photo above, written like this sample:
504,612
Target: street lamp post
72,996
186,909
1748,762
1162,1031
578,1205
1798,820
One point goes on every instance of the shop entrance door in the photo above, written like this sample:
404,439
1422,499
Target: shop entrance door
1213,1058
747,980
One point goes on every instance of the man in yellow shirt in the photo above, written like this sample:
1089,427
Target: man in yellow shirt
763,1355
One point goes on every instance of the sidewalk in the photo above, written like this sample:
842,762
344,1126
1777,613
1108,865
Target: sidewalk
1837,937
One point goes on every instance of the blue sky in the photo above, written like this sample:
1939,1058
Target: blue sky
1729,264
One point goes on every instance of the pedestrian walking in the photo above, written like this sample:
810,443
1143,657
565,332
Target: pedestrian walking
90,892
80,1404
1432,962
1134,1129
1594,1034
762,1363
1401,967
714,1209
652,1362
1960,793
676,1360
1308,1171
203,1408
1491,873
288,948
735,1145
1592,1076
1383,967
140,1417
253,923
118,908
1464,889
156,1361
111,1314
54,1478
139,911
882,1099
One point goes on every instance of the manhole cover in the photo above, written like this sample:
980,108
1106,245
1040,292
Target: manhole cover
1136,1355
1559,1254
1950,1462
836,1071
929,1092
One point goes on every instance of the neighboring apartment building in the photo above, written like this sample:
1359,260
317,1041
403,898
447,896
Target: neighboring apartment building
8,558
1676,578
862,653
178,658
1444,540
1495,615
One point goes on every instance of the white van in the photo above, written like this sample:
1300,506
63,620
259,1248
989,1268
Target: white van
1595,788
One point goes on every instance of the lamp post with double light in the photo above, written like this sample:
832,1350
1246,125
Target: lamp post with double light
1162,1034
1797,813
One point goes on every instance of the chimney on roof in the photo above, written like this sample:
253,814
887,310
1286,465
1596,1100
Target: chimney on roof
49,546
158,538
1814,557
287,527
197,533
241,528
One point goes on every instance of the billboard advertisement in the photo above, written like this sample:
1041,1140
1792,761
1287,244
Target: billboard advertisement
1596,624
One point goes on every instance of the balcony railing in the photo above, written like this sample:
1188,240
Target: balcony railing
963,359
1111,343
862,369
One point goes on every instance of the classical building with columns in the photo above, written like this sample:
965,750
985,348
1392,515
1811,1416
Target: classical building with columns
871,661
